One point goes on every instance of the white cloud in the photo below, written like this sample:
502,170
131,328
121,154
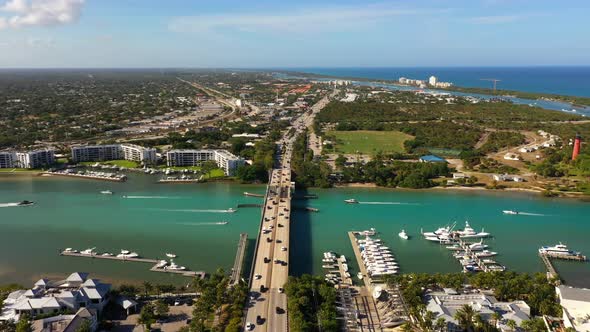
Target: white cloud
336,18
23,13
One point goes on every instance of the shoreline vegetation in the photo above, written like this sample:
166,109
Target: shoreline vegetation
576,101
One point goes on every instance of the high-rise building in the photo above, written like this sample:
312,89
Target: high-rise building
432,80
7,159
113,152
224,159
36,158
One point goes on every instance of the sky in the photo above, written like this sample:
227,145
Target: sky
286,33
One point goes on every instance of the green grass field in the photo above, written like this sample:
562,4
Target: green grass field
118,163
367,142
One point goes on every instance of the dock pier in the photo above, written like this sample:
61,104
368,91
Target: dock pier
236,271
154,268
551,271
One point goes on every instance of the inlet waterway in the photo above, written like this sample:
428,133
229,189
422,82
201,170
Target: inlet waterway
182,218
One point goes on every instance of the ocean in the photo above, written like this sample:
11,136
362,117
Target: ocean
574,81
182,218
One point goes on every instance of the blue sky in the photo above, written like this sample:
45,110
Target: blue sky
285,33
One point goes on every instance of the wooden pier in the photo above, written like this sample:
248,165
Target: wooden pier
84,176
345,280
236,271
186,273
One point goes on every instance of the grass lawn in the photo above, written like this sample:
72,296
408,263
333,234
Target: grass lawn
216,173
367,141
118,163
20,170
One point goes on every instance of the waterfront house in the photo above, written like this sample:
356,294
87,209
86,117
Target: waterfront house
52,297
66,323
445,305
575,303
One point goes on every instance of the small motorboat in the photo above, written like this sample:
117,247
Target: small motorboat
510,212
222,223
231,210
71,251
403,235
25,203
351,201
106,192
359,275
170,255
174,267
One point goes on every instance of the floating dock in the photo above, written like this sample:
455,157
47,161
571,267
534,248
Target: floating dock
236,271
186,273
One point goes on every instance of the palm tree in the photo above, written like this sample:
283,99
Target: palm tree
440,325
428,318
511,324
464,317
147,287
496,316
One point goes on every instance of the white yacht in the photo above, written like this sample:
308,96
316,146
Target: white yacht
106,192
175,267
127,254
89,251
161,264
71,251
486,253
478,246
377,292
469,232
351,201
170,255
403,235
107,254
509,212
359,275
560,249
370,232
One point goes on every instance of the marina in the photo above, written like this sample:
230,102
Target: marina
170,217
91,175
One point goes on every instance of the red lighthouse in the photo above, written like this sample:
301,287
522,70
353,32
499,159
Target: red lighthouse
577,143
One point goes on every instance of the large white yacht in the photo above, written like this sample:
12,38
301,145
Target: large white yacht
89,251
560,249
127,254
469,232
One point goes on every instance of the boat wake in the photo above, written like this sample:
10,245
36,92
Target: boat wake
196,210
532,214
200,223
8,204
387,203
151,197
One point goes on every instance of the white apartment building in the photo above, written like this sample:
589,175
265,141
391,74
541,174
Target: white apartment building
224,159
35,158
432,80
113,152
7,159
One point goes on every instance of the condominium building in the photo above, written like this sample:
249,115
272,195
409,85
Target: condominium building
35,158
224,159
7,159
113,152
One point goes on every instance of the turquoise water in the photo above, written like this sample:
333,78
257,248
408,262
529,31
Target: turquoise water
180,218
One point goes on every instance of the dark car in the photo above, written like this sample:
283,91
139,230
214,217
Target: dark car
279,310
259,320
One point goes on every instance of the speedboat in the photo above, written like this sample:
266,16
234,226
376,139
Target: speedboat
106,192
25,203
359,275
351,201
403,235
222,223
509,212
170,255
231,210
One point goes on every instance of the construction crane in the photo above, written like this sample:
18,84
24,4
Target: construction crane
492,80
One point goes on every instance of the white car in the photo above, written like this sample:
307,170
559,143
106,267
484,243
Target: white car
249,326
257,276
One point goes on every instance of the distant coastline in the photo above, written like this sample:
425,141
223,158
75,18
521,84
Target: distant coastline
573,92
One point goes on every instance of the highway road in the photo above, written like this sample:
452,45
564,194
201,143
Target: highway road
267,307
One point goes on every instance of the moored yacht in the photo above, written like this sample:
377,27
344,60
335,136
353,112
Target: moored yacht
559,249
469,232
170,255
89,251
127,254
174,267
71,251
